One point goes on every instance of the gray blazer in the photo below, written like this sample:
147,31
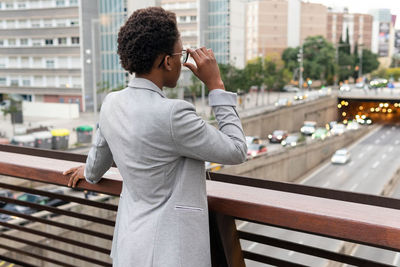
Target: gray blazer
160,146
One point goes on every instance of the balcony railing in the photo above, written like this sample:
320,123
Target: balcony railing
79,232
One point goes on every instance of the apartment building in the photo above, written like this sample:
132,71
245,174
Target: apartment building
274,25
60,51
217,24
359,27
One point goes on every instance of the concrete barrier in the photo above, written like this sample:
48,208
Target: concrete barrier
289,164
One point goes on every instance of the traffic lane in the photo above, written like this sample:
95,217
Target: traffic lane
287,235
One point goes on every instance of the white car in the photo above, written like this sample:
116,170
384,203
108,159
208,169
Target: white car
353,125
308,127
345,88
338,129
341,156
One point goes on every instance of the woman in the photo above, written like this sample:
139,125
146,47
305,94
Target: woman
160,146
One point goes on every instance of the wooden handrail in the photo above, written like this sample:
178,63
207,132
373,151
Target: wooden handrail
360,223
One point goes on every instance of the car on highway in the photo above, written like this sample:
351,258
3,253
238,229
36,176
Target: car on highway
341,156
320,134
277,136
253,140
290,88
282,102
255,149
338,129
330,125
364,120
293,140
308,127
352,125
300,95
345,88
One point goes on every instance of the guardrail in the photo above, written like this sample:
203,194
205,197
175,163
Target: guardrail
84,230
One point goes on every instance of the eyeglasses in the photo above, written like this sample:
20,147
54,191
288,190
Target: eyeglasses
184,57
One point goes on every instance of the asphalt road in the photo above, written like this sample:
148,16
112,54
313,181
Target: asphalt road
374,161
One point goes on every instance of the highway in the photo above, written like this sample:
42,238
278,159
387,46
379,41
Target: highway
374,161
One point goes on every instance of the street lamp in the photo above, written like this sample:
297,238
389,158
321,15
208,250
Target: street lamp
337,60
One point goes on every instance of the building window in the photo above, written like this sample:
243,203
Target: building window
9,5
193,18
36,42
61,22
21,5
3,81
23,23
50,63
182,18
75,40
74,22
73,2
49,41
37,62
60,2
11,42
26,82
14,82
2,62
62,41
25,62
1,42
10,23
35,23
48,23
23,41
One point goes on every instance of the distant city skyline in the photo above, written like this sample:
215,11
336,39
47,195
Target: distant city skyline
354,6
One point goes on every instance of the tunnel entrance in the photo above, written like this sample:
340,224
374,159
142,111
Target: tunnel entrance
379,111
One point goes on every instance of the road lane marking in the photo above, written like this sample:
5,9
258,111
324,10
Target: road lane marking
351,163
397,142
353,187
375,165
390,149
383,156
243,224
251,246
361,155
369,148
396,258
339,173
366,175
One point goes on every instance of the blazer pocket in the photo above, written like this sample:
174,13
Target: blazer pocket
187,208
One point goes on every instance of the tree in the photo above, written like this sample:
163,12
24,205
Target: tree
369,61
232,77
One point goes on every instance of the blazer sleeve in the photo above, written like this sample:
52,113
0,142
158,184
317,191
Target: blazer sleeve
99,159
194,138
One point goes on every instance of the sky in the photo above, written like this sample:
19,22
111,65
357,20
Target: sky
362,6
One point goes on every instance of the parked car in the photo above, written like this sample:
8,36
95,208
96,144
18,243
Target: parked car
290,88
256,149
308,127
55,202
338,129
293,140
345,88
277,136
5,193
341,156
253,140
320,134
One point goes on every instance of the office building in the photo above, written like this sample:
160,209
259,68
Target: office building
274,25
358,26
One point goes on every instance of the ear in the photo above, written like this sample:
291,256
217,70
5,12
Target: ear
167,63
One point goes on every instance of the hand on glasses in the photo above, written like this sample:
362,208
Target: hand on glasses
207,69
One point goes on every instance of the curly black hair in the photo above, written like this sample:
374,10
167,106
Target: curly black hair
147,33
